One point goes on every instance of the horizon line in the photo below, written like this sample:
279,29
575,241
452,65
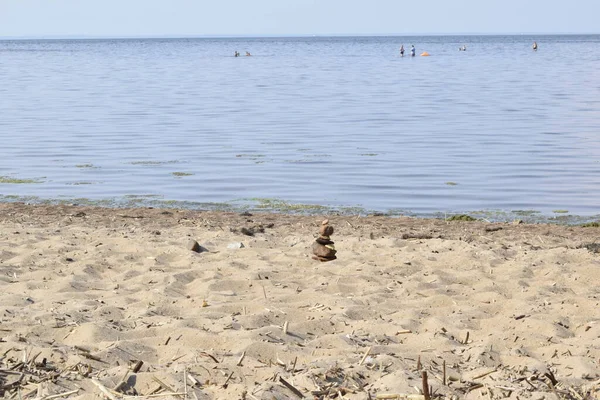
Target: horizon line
259,36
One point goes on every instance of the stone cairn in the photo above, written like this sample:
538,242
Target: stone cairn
323,248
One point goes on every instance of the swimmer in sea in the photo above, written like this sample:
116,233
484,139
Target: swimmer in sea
402,51
248,54
413,51
236,54
534,46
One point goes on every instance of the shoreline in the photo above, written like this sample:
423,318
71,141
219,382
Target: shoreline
510,309
284,207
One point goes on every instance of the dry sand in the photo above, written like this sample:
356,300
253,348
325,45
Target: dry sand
512,310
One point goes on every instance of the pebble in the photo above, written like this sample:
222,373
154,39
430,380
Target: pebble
195,246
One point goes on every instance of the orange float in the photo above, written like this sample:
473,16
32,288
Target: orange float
424,54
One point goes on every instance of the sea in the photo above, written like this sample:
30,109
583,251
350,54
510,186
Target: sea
306,124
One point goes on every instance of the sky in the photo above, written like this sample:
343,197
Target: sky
152,18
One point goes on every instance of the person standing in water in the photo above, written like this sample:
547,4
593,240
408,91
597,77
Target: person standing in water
534,46
402,51
413,51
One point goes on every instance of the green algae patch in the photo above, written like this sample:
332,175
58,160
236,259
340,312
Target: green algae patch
594,224
180,174
142,196
560,211
461,217
153,162
284,206
250,156
525,212
277,205
451,183
257,158
17,181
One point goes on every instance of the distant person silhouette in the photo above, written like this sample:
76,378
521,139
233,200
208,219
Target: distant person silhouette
402,51
534,46
463,48
236,54
248,54
413,51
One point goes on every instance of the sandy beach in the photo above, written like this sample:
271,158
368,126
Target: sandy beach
113,303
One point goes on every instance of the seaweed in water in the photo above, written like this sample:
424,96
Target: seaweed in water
594,224
461,217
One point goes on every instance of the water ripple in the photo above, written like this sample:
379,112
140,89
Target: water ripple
333,121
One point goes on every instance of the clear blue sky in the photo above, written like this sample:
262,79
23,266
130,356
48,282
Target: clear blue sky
39,18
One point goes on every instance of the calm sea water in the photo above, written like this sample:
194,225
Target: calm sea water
342,122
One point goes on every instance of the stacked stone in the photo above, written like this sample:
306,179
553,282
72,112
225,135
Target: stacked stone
323,248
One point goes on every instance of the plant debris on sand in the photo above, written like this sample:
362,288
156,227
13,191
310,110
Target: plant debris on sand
112,303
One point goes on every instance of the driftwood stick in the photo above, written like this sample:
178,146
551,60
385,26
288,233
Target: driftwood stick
122,382
444,373
192,380
239,363
426,394
157,389
553,388
104,389
419,363
205,354
531,384
81,349
291,387
163,385
56,396
31,393
285,327
92,357
467,338
484,374
551,377
294,365
474,387
9,372
365,356
575,394
185,383
154,395
228,378
136,368
32,361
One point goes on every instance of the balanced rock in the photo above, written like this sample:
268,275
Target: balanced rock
323,248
